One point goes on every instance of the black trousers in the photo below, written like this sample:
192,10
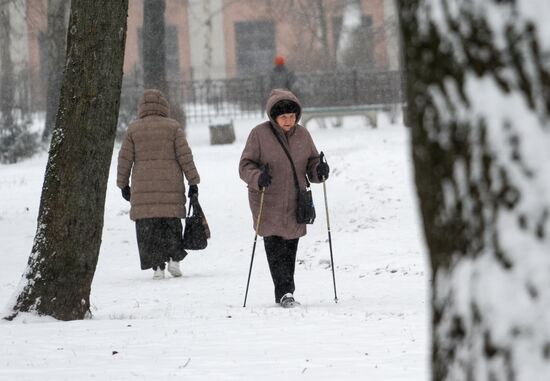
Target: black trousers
281,256
159,239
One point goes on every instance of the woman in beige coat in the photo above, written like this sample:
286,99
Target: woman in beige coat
156,154
263,150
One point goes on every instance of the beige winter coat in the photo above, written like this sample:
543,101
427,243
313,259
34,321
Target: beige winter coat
262,147
157,155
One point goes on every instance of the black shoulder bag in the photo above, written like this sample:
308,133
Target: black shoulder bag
305,210
196,230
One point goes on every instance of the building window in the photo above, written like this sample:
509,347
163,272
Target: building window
255,45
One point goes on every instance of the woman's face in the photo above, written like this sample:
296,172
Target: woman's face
286,121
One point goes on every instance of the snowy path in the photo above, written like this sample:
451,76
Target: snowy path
194,327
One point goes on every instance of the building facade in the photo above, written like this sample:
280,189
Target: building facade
212,39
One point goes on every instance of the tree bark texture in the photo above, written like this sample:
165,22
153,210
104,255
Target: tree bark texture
154,51
57,34
478,97
66,246
154,55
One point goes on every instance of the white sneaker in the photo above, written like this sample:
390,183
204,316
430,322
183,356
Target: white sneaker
159,273
288,301
174,268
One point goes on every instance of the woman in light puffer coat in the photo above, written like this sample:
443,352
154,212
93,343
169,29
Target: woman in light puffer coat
156,155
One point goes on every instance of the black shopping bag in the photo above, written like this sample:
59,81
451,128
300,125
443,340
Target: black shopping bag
196,231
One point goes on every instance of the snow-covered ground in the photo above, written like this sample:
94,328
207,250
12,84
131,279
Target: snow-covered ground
195,327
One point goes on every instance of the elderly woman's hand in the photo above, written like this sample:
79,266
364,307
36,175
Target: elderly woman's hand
193,191
265,178
126,193
323,168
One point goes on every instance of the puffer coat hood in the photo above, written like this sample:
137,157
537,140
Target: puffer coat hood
153,102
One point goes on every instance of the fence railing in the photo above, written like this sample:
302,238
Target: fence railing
220,98
351,88
245,97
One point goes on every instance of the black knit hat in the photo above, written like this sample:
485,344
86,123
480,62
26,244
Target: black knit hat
284,107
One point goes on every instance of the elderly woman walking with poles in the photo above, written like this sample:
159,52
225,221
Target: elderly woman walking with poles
278,163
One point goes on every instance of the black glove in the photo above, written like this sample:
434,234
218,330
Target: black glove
126,192
265,178
322,167
193,191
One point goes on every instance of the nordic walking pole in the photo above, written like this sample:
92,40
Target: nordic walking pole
254,246
255,239
322,157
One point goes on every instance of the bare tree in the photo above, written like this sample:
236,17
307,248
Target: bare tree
311,20
154,54
66,246
7,95
479,103
57,33
154,51
322,20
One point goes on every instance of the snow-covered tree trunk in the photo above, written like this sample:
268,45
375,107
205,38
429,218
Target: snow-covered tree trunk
478,97
66,246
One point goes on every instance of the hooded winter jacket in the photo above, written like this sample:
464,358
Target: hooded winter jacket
281,78
156,154
262,147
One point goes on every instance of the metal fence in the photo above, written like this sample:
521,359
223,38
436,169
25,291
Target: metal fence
351,88
245,97
220,98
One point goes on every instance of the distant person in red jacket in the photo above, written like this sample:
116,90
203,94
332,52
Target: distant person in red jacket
280,76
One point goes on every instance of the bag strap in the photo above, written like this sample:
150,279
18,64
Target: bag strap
197,209
189,208
296,182
194,205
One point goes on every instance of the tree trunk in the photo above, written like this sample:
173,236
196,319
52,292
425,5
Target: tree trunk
7,84
323,28
57,33
478,97
154,55
70,222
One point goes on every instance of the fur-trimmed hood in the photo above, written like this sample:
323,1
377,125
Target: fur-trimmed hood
278,95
